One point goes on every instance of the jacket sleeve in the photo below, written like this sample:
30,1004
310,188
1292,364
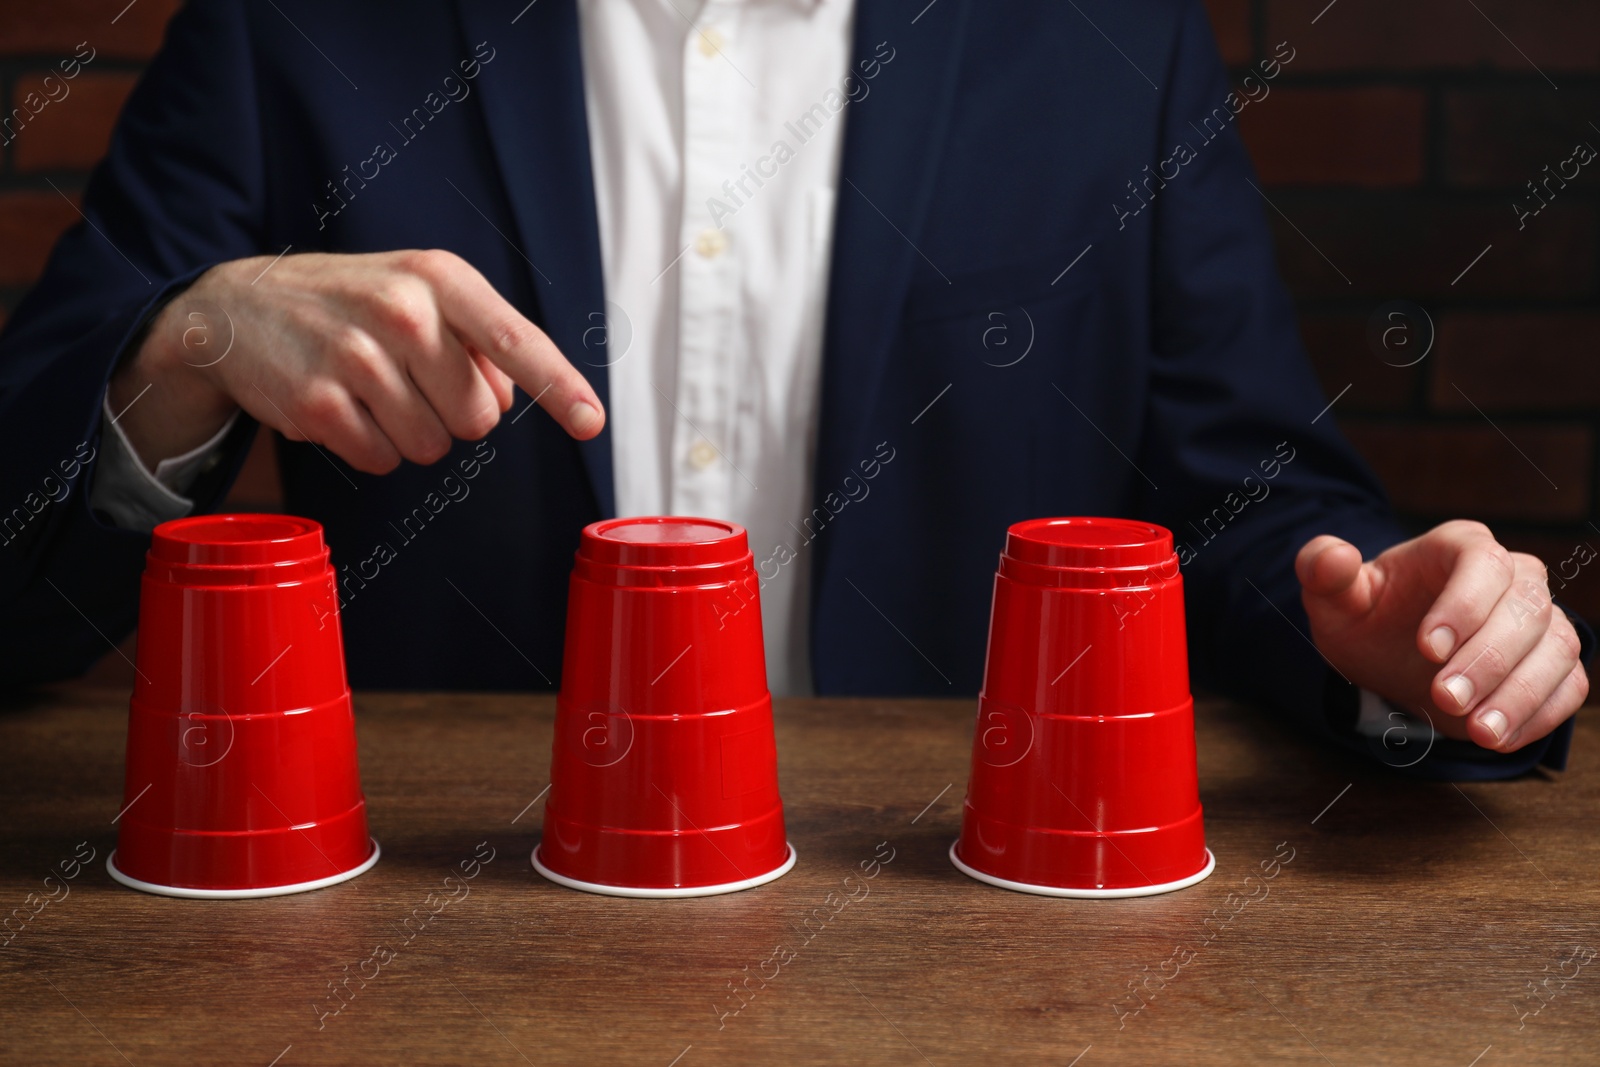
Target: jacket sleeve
179,192
1241,441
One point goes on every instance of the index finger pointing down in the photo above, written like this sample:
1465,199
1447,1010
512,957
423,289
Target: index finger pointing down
487,323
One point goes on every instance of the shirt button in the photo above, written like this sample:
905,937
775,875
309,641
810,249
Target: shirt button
710,243
711,41
702,455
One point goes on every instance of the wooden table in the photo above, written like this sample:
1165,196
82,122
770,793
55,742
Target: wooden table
1408,927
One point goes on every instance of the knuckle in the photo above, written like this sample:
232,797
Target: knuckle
404,310
321,405
1463,532
1566,639
432,449
1543,610
371,461
1532,568
1523,693
1475,605
1580,686
1529,604
1490,663
430,262
357,353
478,425
1498,558
508,336
385,457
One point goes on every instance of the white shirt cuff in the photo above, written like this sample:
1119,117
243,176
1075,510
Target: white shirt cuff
136,498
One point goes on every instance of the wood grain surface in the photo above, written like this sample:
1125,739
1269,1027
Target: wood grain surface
1404,922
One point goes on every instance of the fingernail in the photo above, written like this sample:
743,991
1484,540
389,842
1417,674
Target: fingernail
1495,723
582,418
1460,687
1443,641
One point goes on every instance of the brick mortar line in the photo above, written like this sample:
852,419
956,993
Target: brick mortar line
1401,77
12,63
1508,305
1453,419
69,179
1450,194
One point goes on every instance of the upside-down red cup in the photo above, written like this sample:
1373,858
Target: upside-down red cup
241,763
664,770
1083,768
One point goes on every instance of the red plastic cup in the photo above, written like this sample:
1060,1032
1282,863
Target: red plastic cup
664,770
1083,765
241,764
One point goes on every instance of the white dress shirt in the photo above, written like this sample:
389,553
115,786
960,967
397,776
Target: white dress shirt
715,130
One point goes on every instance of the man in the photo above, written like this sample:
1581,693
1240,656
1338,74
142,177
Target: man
874,280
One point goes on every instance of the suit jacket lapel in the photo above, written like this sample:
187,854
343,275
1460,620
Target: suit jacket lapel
533,104
893,142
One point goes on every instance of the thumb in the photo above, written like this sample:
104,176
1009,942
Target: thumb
1330,570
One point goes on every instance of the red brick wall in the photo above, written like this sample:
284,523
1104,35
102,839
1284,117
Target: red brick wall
1395,145
1392,148
56,145
49,152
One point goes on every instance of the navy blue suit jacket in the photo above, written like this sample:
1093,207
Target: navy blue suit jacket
999,146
